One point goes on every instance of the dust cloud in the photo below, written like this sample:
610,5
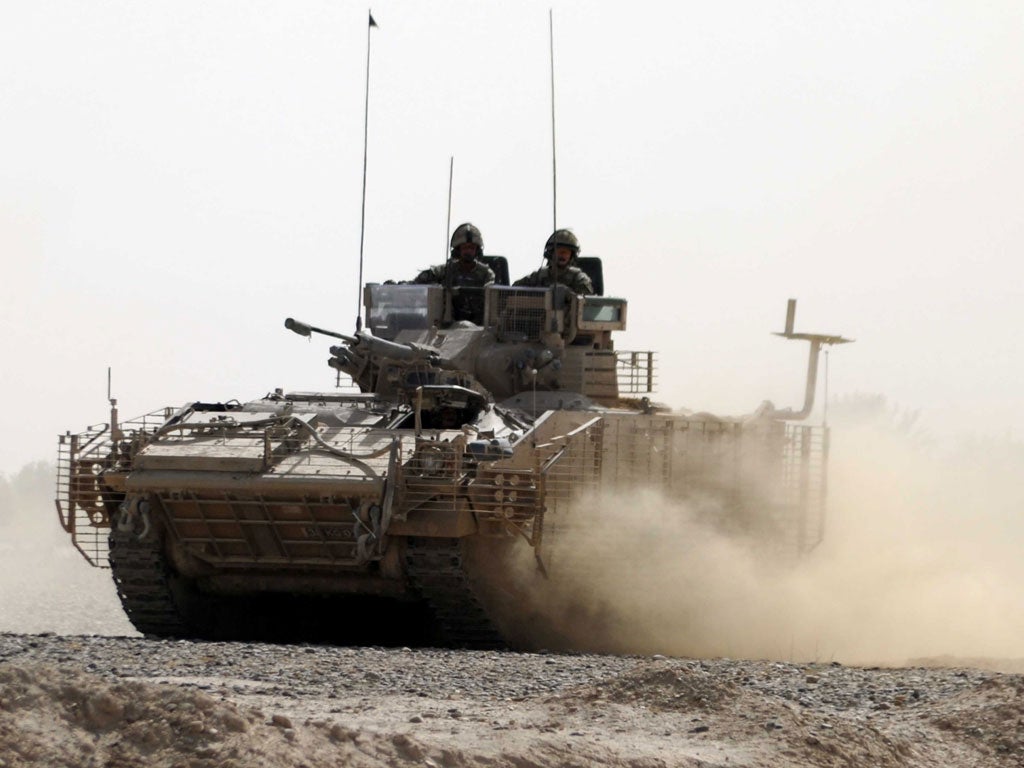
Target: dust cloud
45,584
920,560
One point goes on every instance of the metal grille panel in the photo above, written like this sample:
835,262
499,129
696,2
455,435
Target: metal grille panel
607,374
763,478
431,479
517,314
81,501
571,466
635,372
231,530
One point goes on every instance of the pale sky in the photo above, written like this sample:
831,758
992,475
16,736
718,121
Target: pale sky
176,178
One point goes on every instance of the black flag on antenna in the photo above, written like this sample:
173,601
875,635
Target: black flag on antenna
372,22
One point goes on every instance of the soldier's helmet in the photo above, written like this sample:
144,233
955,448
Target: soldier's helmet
563,237
467,233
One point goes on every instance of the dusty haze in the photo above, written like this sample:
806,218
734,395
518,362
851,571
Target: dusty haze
45,585
177,179
920,559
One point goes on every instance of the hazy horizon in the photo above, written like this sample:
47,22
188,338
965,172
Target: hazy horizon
177,179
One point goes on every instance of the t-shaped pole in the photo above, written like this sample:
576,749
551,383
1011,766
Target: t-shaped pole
816,340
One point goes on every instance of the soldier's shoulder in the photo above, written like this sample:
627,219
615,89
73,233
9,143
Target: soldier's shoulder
531,279
434,274
581,280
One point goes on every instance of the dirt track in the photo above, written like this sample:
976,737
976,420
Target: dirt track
129,701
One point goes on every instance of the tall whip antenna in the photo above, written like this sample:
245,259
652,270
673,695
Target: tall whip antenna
366,133
446,317
554,166
448,224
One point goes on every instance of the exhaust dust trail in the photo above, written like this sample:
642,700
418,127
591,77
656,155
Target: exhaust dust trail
920,559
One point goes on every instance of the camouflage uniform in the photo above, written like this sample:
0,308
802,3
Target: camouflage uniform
466,305
573,277
481,275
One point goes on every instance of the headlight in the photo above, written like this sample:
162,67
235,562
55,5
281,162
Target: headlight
432,462
434,459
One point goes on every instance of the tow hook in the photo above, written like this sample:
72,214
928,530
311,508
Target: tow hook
134,517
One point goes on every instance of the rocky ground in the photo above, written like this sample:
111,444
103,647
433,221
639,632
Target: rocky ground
126,701
79,688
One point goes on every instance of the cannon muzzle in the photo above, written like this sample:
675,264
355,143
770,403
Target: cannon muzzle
305,329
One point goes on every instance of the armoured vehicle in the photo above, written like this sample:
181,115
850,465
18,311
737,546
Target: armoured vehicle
399,510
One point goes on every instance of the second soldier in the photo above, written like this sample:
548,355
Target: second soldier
561,251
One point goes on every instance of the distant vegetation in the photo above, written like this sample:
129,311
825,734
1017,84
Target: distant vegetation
873,410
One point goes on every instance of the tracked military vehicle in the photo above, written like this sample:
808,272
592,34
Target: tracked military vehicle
396,502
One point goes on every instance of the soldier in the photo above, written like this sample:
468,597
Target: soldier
561,251
463,270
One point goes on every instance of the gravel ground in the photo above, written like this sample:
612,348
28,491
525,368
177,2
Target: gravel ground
116,699
104,698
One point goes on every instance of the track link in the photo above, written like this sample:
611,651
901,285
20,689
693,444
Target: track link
143,584
435,567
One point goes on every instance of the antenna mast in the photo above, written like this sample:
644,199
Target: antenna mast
554,165
115,426
448,223
447,315
366,133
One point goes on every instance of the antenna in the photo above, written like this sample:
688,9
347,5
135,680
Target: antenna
448,223
446,316
115,427
533,374
554,165
366,134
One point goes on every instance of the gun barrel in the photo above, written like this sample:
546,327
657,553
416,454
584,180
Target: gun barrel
392,349
341,362
298,326
305,329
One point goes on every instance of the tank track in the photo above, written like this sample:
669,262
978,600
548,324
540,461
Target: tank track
436,571
143,585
